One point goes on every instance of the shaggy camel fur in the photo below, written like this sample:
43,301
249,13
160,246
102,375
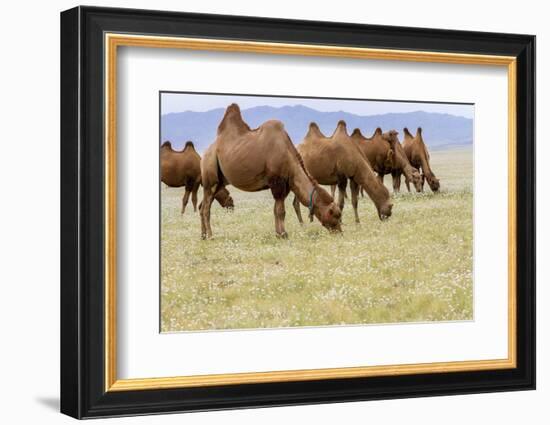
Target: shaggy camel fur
183,168
337,159
386,155
261,159
419,157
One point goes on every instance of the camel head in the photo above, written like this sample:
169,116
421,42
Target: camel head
384,208
417,180
433,182
391,138
225,199
228,203
325,209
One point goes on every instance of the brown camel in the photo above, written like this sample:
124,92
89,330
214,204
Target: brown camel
337,159
261,159
183,168
386,155
419,157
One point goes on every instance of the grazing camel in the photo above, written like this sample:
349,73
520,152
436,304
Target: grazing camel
419,157
386,155
183,168
337,159
261,159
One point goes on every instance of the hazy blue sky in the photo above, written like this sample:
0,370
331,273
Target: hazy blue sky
180,102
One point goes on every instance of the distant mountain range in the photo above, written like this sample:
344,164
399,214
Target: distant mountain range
440,131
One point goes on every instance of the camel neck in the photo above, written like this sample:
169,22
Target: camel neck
426,166
367,180
407,170
404,163
301,185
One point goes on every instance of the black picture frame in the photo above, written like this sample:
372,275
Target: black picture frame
83,392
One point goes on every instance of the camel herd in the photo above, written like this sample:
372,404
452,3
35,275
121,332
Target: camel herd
265,158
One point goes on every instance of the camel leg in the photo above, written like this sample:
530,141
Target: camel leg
279,212
396,182
381,178
354,187
184,200
194,196
342,185
208,197
408,183
362,193
296,205
279,190
332,189
210,179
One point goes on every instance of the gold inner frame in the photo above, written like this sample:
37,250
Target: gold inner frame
113,41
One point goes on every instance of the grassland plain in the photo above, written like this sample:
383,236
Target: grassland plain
414,267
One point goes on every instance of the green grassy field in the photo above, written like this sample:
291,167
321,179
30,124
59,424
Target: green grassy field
416,266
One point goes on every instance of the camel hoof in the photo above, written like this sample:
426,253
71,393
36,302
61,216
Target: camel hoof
283,235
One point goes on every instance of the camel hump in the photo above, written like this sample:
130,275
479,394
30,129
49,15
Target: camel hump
275,124
166,144
341,127
232,119
189,144
407,132
356,133
314,130
419,131
378,131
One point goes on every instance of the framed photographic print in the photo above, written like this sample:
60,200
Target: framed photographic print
261,212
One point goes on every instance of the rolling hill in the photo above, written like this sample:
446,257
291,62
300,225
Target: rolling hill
441,131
